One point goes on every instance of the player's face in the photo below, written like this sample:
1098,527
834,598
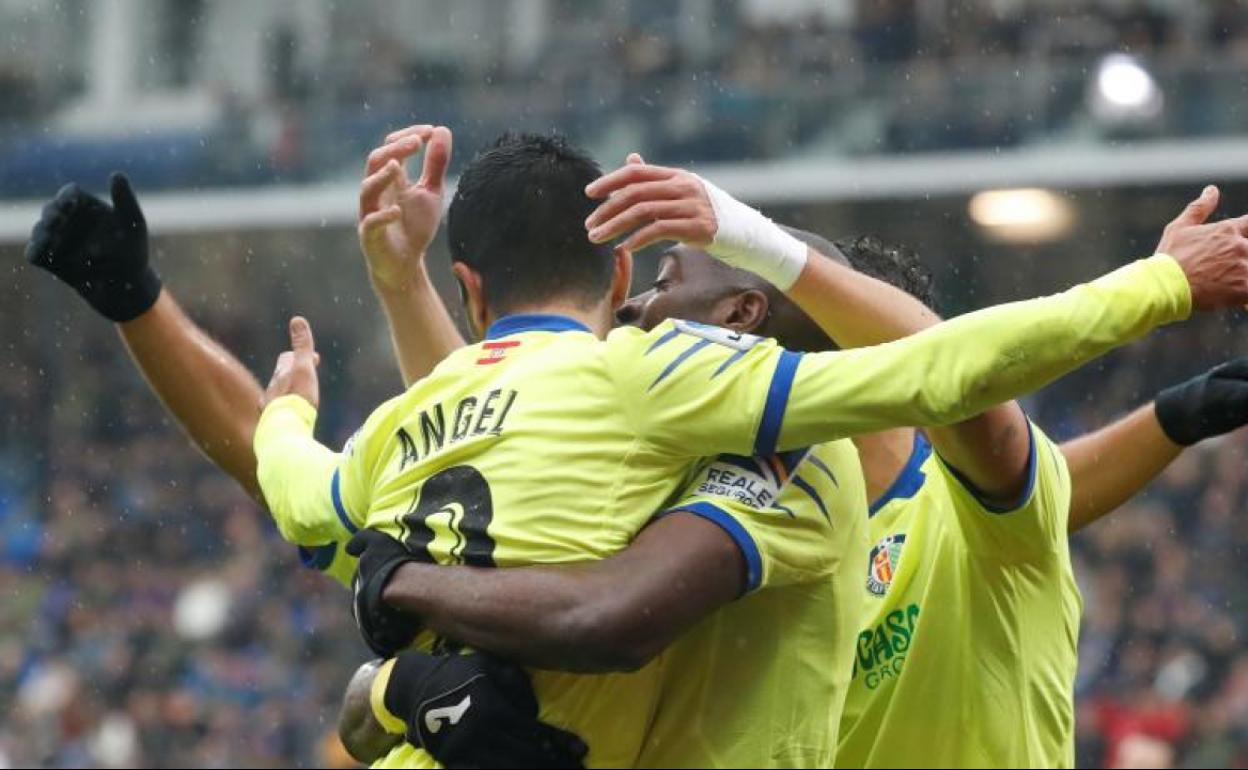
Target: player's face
686,287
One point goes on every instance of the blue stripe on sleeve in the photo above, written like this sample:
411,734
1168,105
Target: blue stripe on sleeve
680,359
777,401
318,557
661,341
749,549
815,461
335,491
729,361
805,486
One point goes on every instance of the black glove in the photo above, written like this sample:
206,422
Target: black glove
385,629
476,711
1211,404
99,250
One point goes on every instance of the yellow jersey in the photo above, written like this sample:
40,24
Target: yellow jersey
544,444
966,656
523,450
760,682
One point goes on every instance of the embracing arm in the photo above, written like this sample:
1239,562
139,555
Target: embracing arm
969,365
990,450
609,615
961,367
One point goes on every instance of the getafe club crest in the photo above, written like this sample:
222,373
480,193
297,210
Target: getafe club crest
883,562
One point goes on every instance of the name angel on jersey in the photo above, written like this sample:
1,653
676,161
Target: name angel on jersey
471,417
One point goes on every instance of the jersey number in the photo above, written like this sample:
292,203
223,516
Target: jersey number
456,500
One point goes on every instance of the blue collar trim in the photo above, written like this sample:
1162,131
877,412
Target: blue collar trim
911,478
533,322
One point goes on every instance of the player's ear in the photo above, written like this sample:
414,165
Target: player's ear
747,311
473,296
622,279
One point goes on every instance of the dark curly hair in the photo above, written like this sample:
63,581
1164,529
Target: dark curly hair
891,263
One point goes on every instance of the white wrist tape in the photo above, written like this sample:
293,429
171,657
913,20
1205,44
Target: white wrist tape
746,239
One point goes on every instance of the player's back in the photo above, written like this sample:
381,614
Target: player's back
508,454
544,444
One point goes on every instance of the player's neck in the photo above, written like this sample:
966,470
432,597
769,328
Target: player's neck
883,456
598,318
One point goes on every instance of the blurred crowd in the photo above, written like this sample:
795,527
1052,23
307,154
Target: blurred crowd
682,82
1163,669
152,617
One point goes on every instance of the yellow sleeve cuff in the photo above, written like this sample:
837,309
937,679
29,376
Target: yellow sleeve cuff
377,700
290,412
1171,276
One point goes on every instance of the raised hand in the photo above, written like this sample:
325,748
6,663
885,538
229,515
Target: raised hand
99,250
295,372
651,203
1214,256
656,203
398,219
1207,405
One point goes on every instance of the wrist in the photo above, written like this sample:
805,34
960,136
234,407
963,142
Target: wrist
125,298
1179,422
160,309
746,239
1161,428
401,287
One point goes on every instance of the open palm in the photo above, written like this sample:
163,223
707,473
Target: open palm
398,219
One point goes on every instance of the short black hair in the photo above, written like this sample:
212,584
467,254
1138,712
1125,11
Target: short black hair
891,263
518,219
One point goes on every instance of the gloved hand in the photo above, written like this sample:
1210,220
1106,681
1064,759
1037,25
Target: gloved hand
99,250
476,711
385,629
1208,405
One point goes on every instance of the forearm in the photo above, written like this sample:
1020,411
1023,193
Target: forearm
534,616
1111,465
856,310
962,367
421,328
610,615
206,389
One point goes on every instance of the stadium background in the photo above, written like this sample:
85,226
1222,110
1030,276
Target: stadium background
151,616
